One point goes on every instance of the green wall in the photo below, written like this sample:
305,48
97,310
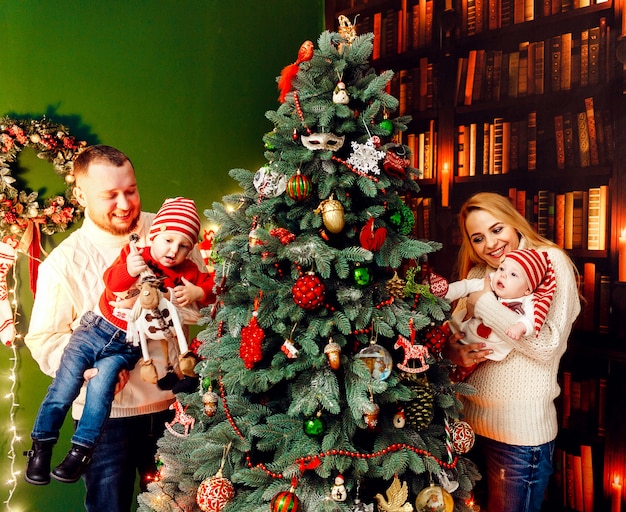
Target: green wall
181,86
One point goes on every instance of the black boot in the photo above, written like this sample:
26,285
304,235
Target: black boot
73,465
38,464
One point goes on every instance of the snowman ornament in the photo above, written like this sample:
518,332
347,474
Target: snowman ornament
338,492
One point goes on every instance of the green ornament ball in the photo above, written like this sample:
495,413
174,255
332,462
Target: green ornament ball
314,427
387,126
362,276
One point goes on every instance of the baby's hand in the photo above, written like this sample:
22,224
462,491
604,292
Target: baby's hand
135,264
516,331
187,293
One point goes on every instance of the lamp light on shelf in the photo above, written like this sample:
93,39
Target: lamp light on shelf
621,256
445,185
616,494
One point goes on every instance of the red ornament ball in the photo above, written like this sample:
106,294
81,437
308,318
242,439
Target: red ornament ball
308,291
214,493
285,501
435,337
463,437
299,187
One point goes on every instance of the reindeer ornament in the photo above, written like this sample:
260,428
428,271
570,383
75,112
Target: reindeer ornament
154,317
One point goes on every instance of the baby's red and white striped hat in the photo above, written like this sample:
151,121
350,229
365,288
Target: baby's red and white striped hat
541,280
177,214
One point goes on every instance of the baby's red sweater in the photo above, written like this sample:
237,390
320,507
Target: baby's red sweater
117,280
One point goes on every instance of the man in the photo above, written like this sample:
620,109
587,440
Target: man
69,284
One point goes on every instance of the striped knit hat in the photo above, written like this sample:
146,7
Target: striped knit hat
541,279
177,214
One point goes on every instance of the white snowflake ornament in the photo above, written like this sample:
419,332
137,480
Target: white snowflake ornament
365,157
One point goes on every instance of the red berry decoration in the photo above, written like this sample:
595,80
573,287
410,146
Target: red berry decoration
434,337
299,187
285,501
308,291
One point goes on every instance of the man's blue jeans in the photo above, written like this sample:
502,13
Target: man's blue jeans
96,343
127,446
517,476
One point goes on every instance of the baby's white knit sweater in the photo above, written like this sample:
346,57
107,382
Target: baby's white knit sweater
514,403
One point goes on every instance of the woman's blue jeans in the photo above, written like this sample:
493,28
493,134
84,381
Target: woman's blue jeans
96,343
516,476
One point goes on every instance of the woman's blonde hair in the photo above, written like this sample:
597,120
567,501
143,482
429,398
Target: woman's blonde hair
502,209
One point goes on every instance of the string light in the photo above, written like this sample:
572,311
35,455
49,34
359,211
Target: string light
12,396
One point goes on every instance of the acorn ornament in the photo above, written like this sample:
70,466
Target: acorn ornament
332,214
333,354
209,401
370,415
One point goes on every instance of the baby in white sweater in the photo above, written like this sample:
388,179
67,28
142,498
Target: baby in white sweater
525,283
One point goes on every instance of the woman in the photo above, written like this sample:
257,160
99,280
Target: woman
513,412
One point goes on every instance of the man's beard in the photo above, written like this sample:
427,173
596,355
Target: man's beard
110,228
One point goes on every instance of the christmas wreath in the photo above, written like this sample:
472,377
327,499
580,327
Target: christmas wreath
22,211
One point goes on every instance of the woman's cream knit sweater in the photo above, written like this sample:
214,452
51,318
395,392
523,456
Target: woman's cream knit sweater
514,403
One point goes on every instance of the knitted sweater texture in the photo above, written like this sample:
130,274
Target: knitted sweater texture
514,403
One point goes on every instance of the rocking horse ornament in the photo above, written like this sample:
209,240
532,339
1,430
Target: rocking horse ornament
181,417
412,351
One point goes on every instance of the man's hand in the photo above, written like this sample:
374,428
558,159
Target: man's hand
122,378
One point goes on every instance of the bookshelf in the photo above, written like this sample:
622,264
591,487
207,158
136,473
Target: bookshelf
526,98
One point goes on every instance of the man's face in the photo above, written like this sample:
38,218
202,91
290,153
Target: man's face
110,197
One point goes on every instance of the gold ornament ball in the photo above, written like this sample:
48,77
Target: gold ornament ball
70,179
434,498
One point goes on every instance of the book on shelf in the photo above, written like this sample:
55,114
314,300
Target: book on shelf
513,74
377,30
566,62
589,293
469,79
539,72
559,135
584,156
594,56
522,72
597,218
594,157
479,72
584,58
555,63
531,141
473,140
569,139
497,145
582,404
604,303
575,61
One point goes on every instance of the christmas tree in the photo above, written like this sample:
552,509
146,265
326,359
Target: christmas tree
322,383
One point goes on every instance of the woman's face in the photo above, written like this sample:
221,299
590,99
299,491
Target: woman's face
490,237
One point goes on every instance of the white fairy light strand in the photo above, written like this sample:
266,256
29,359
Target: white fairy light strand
12,396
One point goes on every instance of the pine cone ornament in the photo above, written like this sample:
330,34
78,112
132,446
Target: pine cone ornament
418,412
395,286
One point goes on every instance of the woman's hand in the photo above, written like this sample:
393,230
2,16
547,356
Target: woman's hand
465,355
